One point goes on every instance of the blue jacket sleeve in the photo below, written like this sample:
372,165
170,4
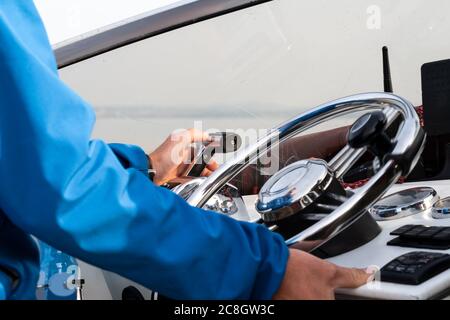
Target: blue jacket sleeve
74,194
130,156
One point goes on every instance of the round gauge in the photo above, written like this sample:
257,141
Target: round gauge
441,209
404,203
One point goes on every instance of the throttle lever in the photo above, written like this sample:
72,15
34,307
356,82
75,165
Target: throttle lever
222,142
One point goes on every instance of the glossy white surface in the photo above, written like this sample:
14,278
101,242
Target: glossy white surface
377,253
105,285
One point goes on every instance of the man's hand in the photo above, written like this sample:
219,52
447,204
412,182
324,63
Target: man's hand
310,278
172,158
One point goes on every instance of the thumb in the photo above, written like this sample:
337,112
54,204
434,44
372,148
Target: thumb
351,278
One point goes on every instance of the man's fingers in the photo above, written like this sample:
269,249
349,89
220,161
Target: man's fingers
212,165
198,136
190,136
206,173
351,278
210,168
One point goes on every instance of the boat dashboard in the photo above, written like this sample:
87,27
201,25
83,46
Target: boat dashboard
310,205
377,253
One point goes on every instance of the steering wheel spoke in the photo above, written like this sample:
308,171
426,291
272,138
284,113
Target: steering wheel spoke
345,159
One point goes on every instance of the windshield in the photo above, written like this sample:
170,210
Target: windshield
67,19
260,66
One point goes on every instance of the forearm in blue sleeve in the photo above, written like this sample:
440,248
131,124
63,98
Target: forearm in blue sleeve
74,194
130,156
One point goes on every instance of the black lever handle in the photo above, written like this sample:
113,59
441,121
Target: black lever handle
202,162
369,131
223,142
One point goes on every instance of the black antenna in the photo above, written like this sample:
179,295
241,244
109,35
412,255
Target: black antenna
387,71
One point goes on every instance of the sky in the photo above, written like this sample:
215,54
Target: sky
65,19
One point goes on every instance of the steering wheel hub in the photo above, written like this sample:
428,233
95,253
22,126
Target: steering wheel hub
293,188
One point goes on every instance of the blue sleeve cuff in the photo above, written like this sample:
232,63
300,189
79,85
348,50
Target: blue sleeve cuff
273,268
130,156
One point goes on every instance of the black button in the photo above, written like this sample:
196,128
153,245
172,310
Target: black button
411,269
390,267
400,268
428,265
442,236
414,232
419,236
425,260
408,260
402,230
394,263
430,232
433,255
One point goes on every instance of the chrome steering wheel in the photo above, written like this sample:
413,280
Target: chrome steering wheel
396,160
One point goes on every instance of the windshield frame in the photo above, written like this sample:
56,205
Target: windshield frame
144,26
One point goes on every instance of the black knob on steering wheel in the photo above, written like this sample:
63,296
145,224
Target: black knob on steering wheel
369,131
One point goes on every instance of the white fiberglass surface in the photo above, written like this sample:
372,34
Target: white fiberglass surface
257,67
66,19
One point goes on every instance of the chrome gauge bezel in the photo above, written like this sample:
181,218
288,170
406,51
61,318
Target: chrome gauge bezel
441,209
277,203
382,211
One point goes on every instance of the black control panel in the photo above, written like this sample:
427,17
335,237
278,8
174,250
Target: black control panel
436,111
418,236
415,268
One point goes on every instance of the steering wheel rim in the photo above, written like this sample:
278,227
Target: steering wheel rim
408,145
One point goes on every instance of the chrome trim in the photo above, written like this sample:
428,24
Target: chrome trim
227,201
441,209
141,27
230,203
407,138
187,188
278,205
348,156
345,159
199,150
385,212
351,210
